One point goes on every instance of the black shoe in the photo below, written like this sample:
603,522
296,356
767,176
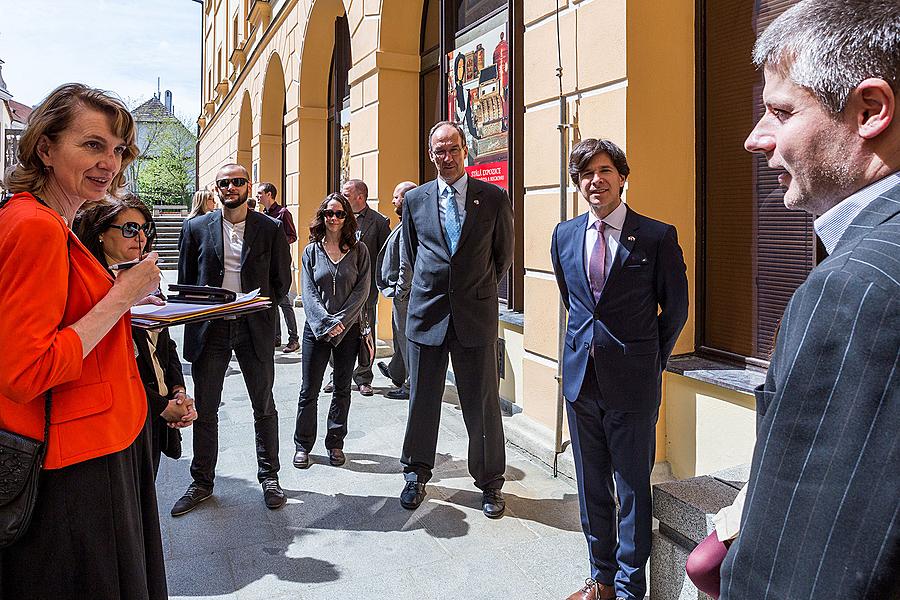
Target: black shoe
194,495
301,459
329,387
336,457
398,394
273,494
412,495
493,504
384,369
278,343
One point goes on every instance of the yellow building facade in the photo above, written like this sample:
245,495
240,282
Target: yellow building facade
274,102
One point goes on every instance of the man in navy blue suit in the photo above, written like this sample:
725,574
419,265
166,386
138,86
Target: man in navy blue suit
622,279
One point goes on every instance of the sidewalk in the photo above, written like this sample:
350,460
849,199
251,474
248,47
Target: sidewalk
343,533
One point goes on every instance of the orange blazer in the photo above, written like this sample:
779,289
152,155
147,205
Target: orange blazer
48,281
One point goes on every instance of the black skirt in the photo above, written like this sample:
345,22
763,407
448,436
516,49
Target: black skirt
94,534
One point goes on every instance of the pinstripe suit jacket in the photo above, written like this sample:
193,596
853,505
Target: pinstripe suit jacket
821,518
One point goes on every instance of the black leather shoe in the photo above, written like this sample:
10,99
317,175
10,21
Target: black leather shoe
398,394
336,457
493,504
412,495
273,494
301,459
194,495
384,369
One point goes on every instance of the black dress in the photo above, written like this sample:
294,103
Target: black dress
94,534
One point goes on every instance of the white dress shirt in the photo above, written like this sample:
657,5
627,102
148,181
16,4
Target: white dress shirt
233,242
831,226
613,231
461,187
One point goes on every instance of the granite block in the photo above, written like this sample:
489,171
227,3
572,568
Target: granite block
687,506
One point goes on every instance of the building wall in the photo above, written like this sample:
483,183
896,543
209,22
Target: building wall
629,68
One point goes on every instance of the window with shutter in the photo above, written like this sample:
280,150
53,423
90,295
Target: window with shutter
753,251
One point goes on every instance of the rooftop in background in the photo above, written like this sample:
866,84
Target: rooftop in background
19,111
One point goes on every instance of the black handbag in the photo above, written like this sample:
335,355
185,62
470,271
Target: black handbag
366,355
21,460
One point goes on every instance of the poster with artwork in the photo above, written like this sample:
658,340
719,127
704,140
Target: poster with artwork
478,99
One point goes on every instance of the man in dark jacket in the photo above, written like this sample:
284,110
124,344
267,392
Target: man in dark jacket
266,194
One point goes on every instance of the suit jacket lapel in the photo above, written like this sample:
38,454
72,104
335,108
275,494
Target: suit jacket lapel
473,203
578,249
434,215
627,240
214,226
364,222
250,231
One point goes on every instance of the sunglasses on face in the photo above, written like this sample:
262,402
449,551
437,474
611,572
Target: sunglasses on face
235,181
130,229
337,214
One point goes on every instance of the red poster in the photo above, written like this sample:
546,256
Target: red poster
494,172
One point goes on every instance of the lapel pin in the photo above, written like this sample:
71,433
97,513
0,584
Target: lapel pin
630,238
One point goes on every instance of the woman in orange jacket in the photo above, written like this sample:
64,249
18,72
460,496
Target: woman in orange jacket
65,327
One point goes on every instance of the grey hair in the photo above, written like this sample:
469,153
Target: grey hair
830,46
453,124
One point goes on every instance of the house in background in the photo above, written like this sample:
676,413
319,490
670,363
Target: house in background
13,116
165,168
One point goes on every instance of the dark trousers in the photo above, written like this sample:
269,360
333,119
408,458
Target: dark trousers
398,367
223,338
290,319
315,358
608,445
477,382
361,375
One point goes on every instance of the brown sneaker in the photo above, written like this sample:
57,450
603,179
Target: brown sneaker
336,457
291,347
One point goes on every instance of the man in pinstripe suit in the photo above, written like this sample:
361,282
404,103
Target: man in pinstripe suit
821,517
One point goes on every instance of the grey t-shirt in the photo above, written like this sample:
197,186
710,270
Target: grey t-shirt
334,292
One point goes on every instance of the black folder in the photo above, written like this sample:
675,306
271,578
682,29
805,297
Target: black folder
200,294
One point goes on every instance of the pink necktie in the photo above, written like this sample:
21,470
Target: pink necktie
597,266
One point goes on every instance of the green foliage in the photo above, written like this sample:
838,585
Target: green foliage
164,179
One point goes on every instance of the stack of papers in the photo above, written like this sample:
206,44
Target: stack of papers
151,316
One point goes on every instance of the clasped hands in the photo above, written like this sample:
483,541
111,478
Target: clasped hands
335,331
180,411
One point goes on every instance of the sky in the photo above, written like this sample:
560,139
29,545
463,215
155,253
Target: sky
116,45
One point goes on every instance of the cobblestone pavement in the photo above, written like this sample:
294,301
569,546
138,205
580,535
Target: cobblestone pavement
343,533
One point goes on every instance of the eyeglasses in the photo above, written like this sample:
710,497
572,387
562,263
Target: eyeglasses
454,151
235,181
130,229
337,214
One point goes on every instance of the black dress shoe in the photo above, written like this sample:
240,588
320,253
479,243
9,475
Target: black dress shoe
412,495
398,394
194,495
336,457
301,459
273,494
384,369
493,504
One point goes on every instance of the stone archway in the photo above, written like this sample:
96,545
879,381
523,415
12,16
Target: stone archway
245,134
271,154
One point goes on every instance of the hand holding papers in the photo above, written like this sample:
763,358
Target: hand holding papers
150,316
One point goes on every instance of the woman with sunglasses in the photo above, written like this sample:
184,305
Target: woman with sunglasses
120,232
335,287
94,532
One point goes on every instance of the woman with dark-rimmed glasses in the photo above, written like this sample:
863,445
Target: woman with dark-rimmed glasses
335,287
119,231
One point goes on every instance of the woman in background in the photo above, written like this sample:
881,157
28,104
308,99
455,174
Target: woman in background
119,231
335,287
204,201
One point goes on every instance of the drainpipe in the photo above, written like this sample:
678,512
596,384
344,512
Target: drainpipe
560,446
202,60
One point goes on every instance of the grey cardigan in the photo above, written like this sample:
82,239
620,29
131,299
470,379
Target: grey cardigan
334,293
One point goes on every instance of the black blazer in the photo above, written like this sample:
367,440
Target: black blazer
821,516
642,310
373,231
164,439
464,285
265,264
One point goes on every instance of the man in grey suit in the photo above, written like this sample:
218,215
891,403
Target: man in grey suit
822,515
373,231
392,279
458,236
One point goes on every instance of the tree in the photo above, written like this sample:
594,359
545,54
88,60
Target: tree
164,179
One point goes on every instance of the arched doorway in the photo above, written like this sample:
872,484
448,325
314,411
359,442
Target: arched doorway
271,166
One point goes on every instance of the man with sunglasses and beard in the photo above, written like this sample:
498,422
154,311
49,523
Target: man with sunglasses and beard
239,250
